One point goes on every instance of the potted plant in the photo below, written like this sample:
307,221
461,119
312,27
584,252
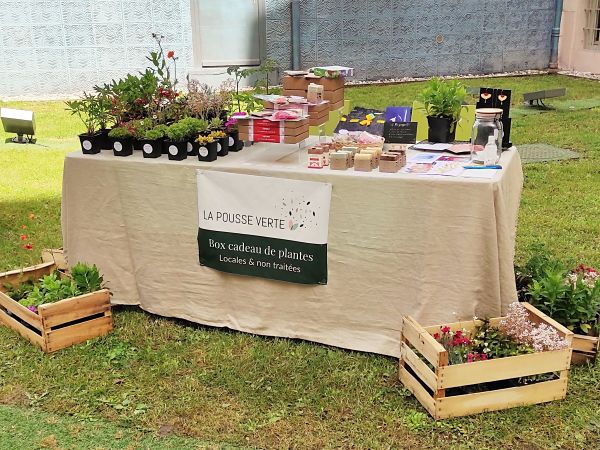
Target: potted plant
90,111
207,148
235,144
53,308
194,127
443,102
176,143
138,129
152,141
122,141
216,125
483,365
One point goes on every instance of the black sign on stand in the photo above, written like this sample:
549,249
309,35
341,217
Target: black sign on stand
400,132
498,98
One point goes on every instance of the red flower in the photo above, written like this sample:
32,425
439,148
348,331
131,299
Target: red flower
470,357
458,333
28,246
23,227
170,54
23,237
446,329
436,336
483,357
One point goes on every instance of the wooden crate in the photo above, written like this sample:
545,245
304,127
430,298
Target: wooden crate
585,349
56,325
429,386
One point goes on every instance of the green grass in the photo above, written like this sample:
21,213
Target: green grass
212,387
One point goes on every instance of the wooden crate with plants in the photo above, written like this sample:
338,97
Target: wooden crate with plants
486,365
571,296
54,309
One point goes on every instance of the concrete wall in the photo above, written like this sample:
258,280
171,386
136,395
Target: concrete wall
62,47
571,52
385,38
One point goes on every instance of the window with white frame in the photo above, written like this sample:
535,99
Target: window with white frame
592,30
228,33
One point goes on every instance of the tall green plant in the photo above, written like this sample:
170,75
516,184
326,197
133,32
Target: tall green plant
91,109
443,98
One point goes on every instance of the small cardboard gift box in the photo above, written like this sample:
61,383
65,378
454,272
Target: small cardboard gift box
363,162
390,163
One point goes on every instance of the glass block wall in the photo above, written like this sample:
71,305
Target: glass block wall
398,38
62,47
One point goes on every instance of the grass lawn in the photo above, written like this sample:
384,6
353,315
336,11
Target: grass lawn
163,383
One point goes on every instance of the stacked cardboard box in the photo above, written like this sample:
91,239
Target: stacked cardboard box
333,88
274,131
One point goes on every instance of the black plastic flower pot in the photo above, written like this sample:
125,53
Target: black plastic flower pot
235,145
177,151
105,143
90,145
192,148
122,147
151,148
223,146
440,129
208,152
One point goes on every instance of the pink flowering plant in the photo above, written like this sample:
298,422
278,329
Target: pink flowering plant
515,335
540,337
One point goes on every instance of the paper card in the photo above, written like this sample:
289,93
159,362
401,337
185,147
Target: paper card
480,173
398,113
400,132
424,158
440,147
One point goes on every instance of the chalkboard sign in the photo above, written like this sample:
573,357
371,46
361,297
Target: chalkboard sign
400,132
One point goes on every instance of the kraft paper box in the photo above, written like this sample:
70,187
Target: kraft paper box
331,84
336,106
334,96
390,163
340,160
363,162
296,83
374,155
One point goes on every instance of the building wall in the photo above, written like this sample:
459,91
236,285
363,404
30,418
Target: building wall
62,47
386,38
56,48
571,52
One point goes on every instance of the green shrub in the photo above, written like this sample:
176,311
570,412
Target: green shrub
443,98
216,124
154,134
178,132
120,133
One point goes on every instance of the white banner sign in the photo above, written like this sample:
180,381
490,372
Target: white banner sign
260,226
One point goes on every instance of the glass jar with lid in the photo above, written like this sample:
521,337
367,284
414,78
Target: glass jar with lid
486,137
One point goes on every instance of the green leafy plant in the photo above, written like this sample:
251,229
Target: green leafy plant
443,98
194,126
264,71
87,278
178,132
154,134
216,123
245,98
120,133
92,110
492,342
568,297
139,127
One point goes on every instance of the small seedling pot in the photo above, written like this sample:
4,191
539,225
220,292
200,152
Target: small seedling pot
208,152
90,145
192,148
177,151
223,146
122,147
151,148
